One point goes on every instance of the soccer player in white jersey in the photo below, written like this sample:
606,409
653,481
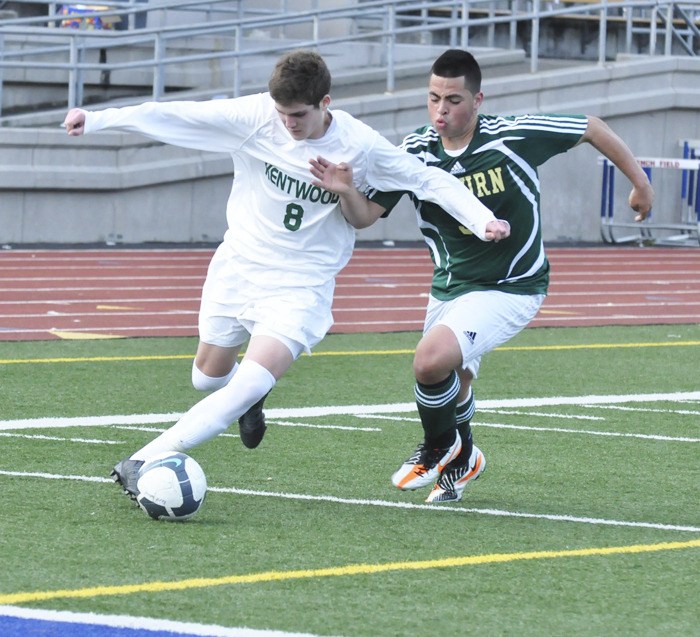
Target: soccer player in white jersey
482,294
270,282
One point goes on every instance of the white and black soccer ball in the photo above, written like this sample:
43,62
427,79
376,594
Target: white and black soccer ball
171,486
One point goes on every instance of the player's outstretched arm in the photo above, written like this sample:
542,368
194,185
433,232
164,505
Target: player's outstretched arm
607,142
359,211
74,123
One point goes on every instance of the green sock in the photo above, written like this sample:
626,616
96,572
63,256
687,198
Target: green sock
465,413
436,407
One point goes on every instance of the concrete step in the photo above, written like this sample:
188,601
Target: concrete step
43,103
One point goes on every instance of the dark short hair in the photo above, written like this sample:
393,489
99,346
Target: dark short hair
300,76
459,63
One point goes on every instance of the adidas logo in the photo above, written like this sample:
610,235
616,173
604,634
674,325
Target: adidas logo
471,336
457,169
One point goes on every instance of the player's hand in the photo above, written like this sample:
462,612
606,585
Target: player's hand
640,200
336,178
497,230
75,122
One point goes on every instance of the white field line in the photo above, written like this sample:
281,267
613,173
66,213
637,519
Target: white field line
386,503
284,413
589,432
542,414
144,623
439,507
563,430
287,423
88,441
160,430
88,421
280,423
377,411
681,412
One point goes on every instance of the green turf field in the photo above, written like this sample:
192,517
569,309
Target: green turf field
586,521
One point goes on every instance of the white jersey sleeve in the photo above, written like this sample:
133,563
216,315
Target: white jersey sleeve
216,125
393,169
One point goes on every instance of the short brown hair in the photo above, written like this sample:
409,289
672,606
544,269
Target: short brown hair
300,76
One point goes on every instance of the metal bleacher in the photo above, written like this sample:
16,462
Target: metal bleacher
182,39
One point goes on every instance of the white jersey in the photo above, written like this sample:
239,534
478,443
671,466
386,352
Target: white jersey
284,231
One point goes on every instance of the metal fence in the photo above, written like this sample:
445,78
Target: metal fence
70,41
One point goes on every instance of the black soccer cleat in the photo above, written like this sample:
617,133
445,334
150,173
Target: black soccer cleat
251,425
126,473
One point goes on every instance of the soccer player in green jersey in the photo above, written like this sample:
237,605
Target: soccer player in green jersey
482,294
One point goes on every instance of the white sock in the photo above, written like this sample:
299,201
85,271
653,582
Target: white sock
202,382
215,413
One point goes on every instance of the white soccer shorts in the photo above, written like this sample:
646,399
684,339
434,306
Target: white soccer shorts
234,308
482,320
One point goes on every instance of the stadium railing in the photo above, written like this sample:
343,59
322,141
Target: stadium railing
231,33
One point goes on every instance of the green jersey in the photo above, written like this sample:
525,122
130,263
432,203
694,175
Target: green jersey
499,166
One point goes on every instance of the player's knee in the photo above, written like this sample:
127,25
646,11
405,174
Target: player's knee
437,354
429,368
435,358
202,382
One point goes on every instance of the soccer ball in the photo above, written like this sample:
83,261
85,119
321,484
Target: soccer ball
171,486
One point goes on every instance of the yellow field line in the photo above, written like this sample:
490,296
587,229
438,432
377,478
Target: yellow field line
388,352
339,571
97,359
526,348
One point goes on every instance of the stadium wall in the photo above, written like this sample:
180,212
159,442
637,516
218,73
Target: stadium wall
120,188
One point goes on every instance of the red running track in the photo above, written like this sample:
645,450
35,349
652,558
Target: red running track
50,294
